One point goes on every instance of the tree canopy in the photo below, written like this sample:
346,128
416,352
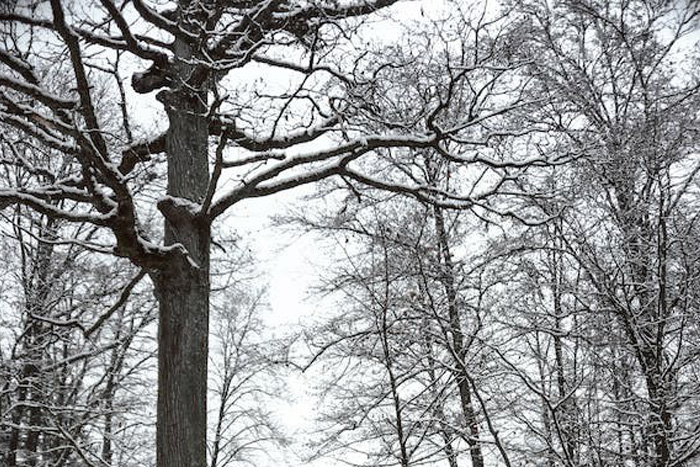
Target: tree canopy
567,128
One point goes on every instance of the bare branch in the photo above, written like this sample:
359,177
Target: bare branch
123,297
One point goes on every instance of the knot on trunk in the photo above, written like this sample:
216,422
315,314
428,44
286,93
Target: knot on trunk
178,210
155,77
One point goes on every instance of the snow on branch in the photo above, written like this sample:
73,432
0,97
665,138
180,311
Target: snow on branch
37,93
40,200
253,143
352,149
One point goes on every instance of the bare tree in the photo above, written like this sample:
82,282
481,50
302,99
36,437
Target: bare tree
619,103
419,321
247,377
381,399
66,366
197,54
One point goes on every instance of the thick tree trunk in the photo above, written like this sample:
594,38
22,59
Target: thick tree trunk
182,288
183,296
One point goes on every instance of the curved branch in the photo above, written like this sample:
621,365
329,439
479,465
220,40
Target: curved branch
39,202
253,143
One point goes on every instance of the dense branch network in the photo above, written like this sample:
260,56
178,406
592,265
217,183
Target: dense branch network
343,127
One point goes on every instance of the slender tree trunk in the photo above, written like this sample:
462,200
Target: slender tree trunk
224,398
35,419
438,404
647,330
36,290
567,407
547,421
383,328
458,344
396,398
182,288
400,433
109,394
662,421
108,429
17,419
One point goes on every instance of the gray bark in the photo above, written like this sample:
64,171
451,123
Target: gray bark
182,288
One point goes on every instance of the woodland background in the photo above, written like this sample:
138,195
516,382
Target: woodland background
500,200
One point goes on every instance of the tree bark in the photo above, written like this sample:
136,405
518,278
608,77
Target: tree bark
182,288
182,368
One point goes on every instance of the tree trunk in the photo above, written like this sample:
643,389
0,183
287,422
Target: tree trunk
182,288
182,368
646,328
661,424
566,403
438,404
383,328
458,344
37,286
17,414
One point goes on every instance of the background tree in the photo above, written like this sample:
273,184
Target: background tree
65,372
588,323
381,400
247,377
614,88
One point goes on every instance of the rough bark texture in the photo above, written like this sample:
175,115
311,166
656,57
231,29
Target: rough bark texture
183,287
182,368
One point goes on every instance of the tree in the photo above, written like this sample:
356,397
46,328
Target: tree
383,397
621,103
246,377
591,359
403,364
65,373
198,53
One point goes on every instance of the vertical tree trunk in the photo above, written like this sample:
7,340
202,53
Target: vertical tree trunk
35,419
646,328
547,416
383,328
108,428
661,424
182,368
182,288
438,404
567,404
37,287
17,414
113,370
459,347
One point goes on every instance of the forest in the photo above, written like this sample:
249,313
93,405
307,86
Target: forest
499,202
